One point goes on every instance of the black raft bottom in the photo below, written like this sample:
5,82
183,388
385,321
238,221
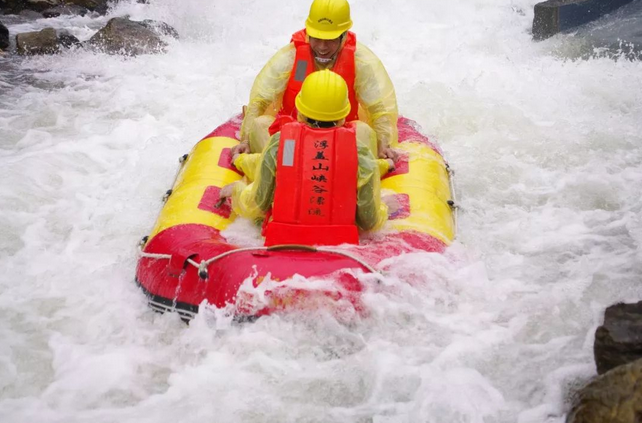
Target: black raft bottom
185,310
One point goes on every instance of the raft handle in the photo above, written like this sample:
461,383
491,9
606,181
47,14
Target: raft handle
299,247
202,270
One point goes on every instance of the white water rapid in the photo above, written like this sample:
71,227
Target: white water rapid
548,155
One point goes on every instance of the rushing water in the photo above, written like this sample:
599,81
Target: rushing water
548,155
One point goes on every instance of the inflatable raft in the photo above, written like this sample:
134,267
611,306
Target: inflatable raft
186,261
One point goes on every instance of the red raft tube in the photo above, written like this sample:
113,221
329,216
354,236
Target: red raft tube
186,261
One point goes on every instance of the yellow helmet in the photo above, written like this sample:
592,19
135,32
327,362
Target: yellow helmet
323,97
328,19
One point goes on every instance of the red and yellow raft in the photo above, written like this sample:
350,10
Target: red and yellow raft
186,261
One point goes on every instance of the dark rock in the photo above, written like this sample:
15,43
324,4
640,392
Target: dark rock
31,14
619,340
40,5
618,35
555,16
123,36
614,397
16,6
12,6
67,40
161,28
4,37
70,9
47,41
99,6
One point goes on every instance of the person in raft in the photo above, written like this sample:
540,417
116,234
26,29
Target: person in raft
317,181
325,43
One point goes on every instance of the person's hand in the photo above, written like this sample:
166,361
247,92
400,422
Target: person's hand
392,203
242,147
227,191
388,153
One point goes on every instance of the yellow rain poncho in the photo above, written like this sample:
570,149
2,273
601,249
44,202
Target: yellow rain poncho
374,90
254,200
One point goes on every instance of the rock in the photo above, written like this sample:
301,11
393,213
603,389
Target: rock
4,37
39,42
16,6
619,340
40,5
12,6
99,6
31,14
614,397
47,41
161,28
123,36
553,16
66,39
65,10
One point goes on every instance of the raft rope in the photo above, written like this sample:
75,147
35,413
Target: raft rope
203,265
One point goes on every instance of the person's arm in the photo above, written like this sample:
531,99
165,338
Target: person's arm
372,213
377,97
268,87
248,163
368,137
254,200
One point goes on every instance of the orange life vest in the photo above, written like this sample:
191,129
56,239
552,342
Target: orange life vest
344,65
315,199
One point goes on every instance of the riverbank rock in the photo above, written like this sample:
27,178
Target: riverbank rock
99,6
553,16
4,37
619,340
11,6
161,28
17,6
124,36
67,39
40,5
70,9
614,397
47,41
31,14
6,6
